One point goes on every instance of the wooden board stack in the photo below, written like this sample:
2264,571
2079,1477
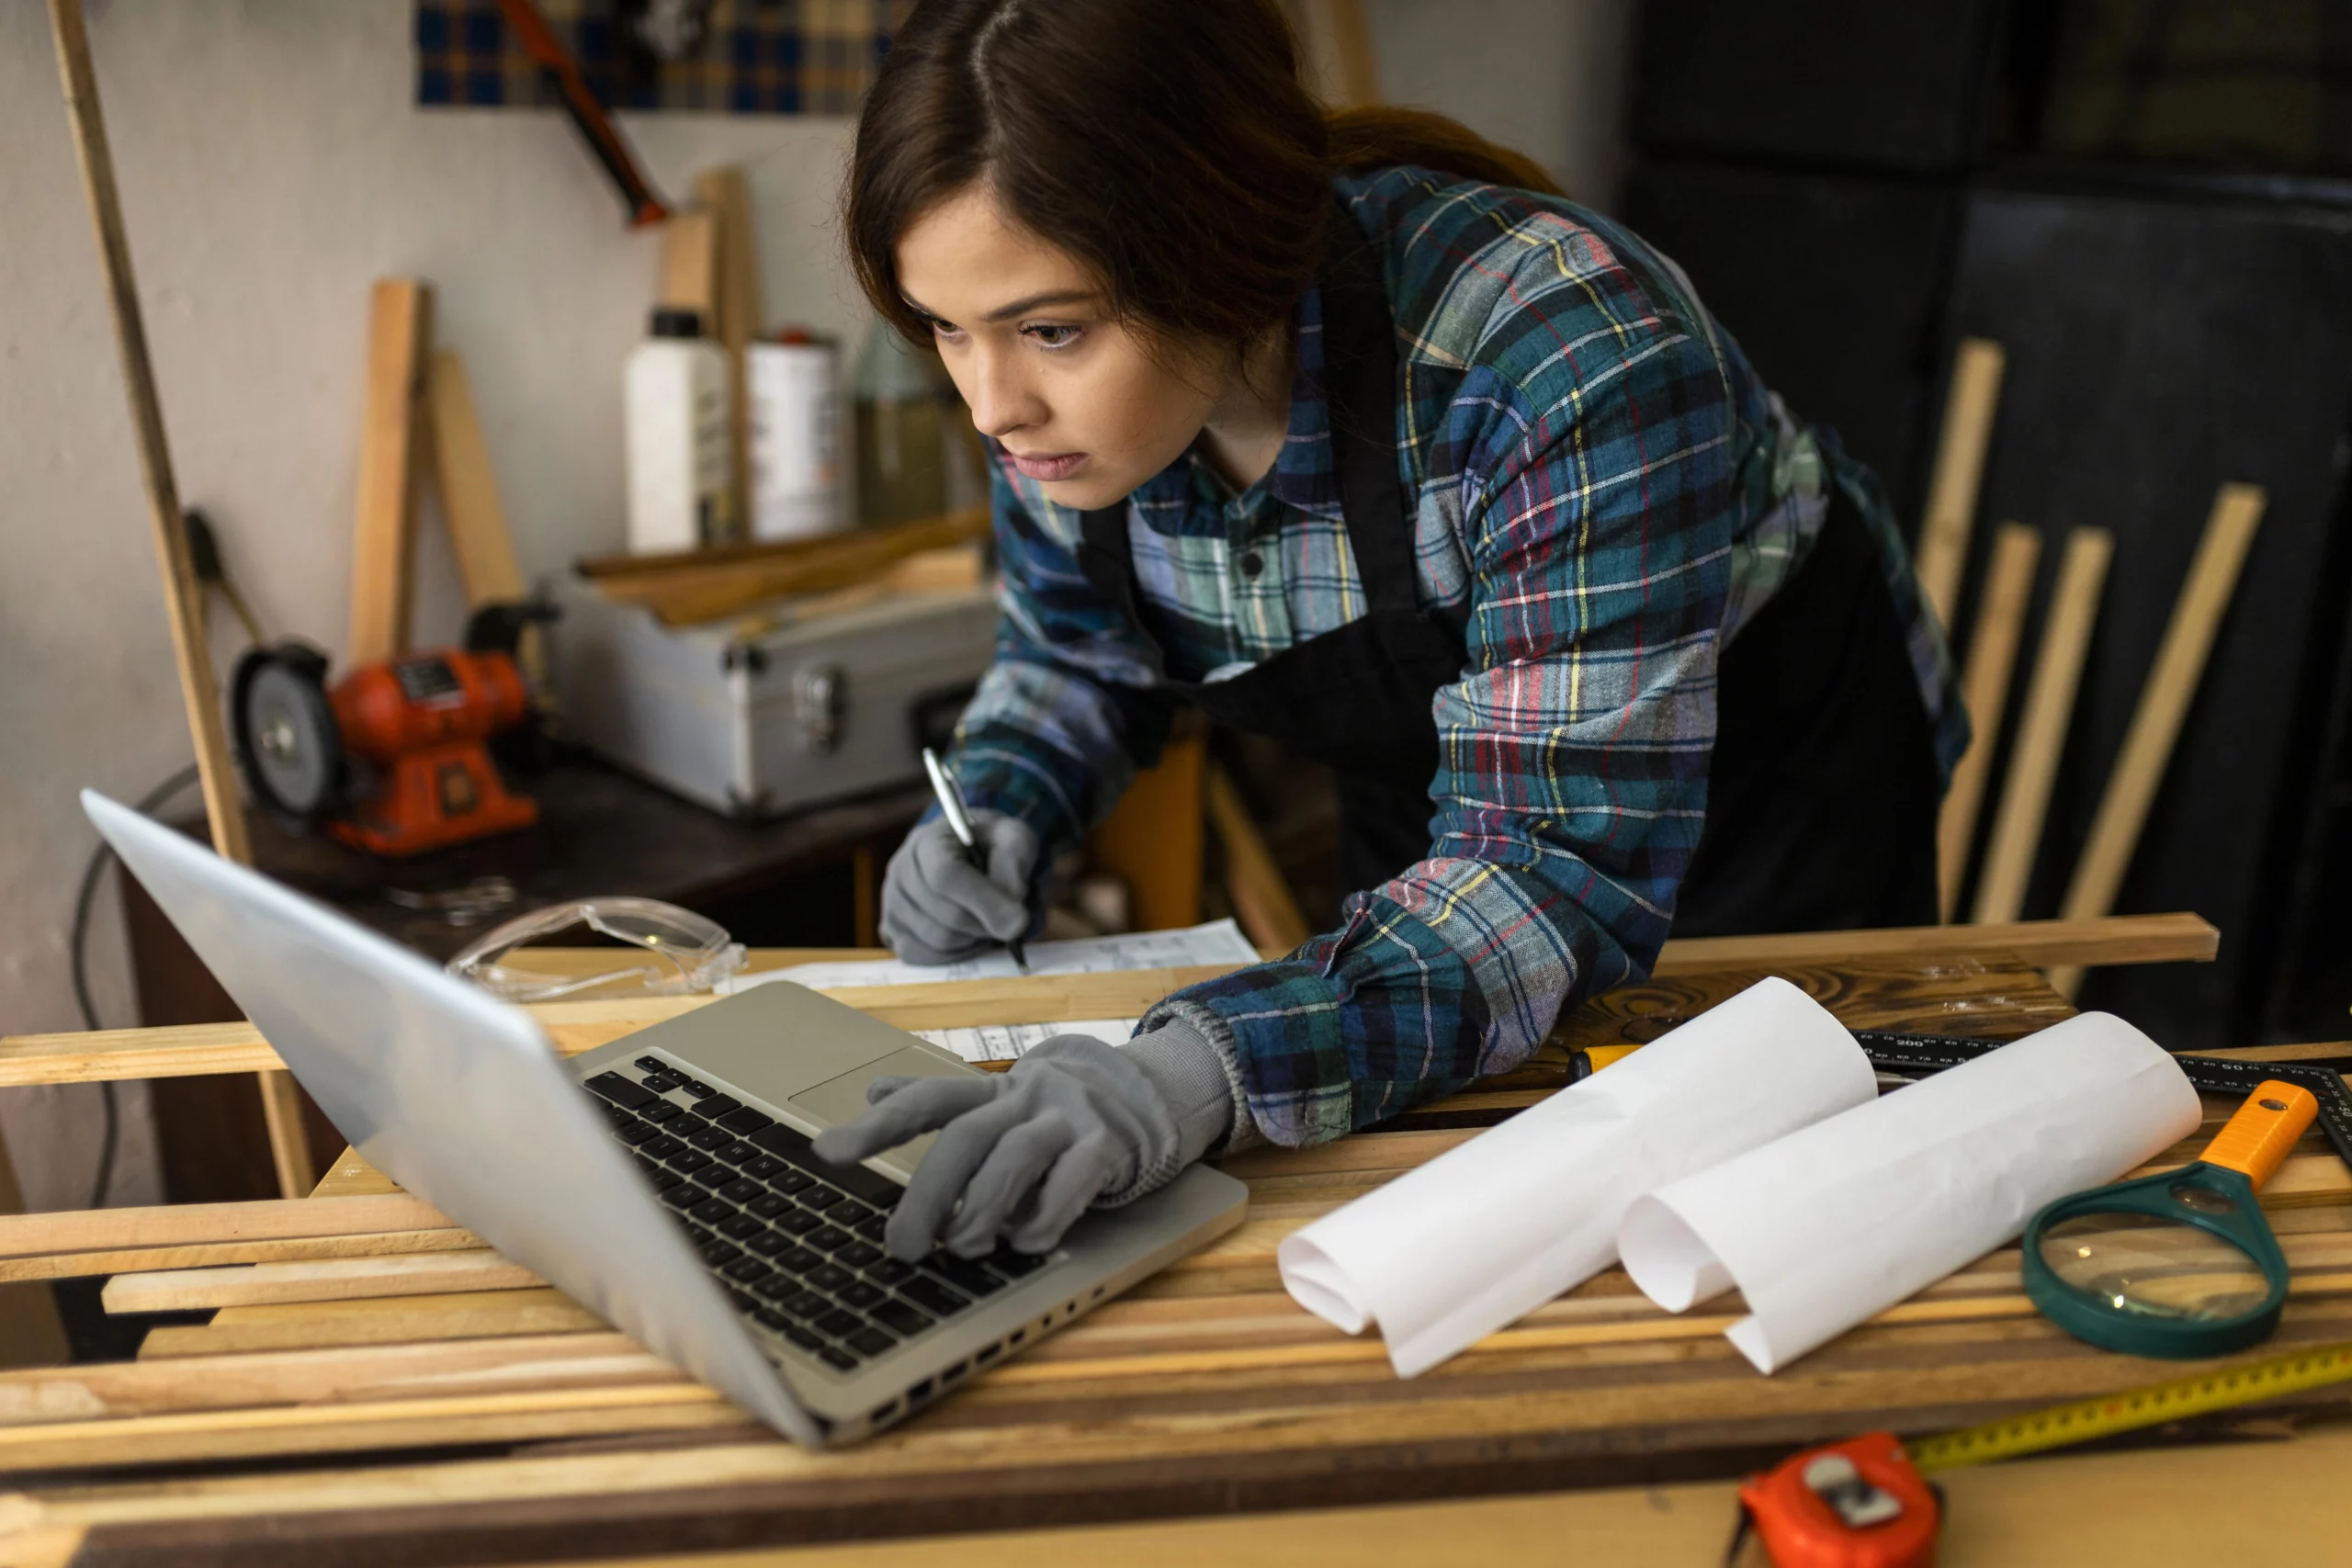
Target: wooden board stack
374,1383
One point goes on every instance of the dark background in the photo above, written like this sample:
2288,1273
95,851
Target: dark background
2149,204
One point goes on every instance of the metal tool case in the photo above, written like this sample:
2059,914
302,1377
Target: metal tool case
765,714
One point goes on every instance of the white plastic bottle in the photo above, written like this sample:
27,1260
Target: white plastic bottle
677,442
796,417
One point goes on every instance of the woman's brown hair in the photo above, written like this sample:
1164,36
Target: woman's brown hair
1167,144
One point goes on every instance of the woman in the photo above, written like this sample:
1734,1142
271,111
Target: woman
1354,432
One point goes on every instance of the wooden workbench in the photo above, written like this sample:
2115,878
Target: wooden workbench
375,1387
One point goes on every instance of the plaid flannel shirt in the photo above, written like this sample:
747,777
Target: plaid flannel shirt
1601,485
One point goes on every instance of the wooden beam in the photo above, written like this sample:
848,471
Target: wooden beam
1960,469
467,484
737,318
333,1278
2041,731
383,576
2162,705
1992,661
690,263
689,595
1262,900
183,599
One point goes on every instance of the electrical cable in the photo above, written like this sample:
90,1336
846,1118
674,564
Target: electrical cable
82,903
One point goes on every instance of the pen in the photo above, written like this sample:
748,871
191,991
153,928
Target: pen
959,822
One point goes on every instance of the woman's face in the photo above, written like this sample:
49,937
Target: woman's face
1028,337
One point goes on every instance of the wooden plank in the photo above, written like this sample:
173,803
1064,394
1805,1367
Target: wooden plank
577,1026
690,263
32,1332
1262,901
383,580
186,1289
737,318
2041,730
2163,704
1960,467
1151,840
1992,661
691,596
400,1320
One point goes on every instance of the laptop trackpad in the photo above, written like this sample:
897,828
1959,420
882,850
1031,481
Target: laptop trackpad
842,1099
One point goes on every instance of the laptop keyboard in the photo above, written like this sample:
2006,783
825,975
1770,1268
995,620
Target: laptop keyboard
797,1242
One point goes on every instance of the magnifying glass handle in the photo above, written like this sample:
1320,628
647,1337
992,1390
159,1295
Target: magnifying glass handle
2257,1138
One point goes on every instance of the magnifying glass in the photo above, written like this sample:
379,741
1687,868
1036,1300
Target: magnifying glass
2180,1264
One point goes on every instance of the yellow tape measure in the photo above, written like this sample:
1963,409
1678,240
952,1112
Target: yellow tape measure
2085,1419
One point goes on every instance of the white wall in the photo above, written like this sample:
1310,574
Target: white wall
272,164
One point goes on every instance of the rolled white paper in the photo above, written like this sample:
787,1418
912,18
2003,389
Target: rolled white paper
1842,1220
1487,1231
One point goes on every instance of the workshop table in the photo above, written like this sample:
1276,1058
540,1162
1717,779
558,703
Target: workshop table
376,1387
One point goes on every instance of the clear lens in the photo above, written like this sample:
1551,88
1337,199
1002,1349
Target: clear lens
2145,1265
669,951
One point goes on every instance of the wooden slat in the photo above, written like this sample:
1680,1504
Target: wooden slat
736,317
2163,704
186,1289
690,263
400,335
397,1320
690,593
1960,467
2041,730
2137,939
1991,660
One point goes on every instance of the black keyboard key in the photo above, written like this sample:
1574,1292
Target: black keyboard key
711,1139
619,1090
779,1287
800,1260
891,1270
806,1304
828,1238
745,1270
838,1323
843,1360
797,1222
899,1318
789,1181
710,1211
741,1227
637,1133
719,1252
645,1164
768,1317
859,1255
788,1143
765,1166
650,1064
742,1190
829,1277
741,1302
689,1160
822,1198
962,1273
869,1342
849,1212
1014,1264
663,1111
713,1106
698,1088
744,1119
871,1229
684,1196
694,1233
662,1146
859,1295
618,1115
665,1178
658,1083
767,1205
867,1185
740,1152
767,1244
802,1337
932,1297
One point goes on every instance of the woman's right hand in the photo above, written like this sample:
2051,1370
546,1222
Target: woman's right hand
938,908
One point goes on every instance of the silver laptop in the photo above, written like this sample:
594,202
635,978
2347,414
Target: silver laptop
674,1195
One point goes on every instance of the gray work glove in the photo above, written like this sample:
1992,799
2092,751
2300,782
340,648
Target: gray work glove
937,907
1075,1122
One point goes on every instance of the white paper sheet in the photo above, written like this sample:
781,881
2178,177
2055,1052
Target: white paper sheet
1010,1042
1842,1220
1218,941
1484,1234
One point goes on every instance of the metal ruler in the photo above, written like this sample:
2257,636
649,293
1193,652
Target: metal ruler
1921,1056
2150,1406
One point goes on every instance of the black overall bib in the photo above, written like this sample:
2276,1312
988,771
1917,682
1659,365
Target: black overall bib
1823,787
